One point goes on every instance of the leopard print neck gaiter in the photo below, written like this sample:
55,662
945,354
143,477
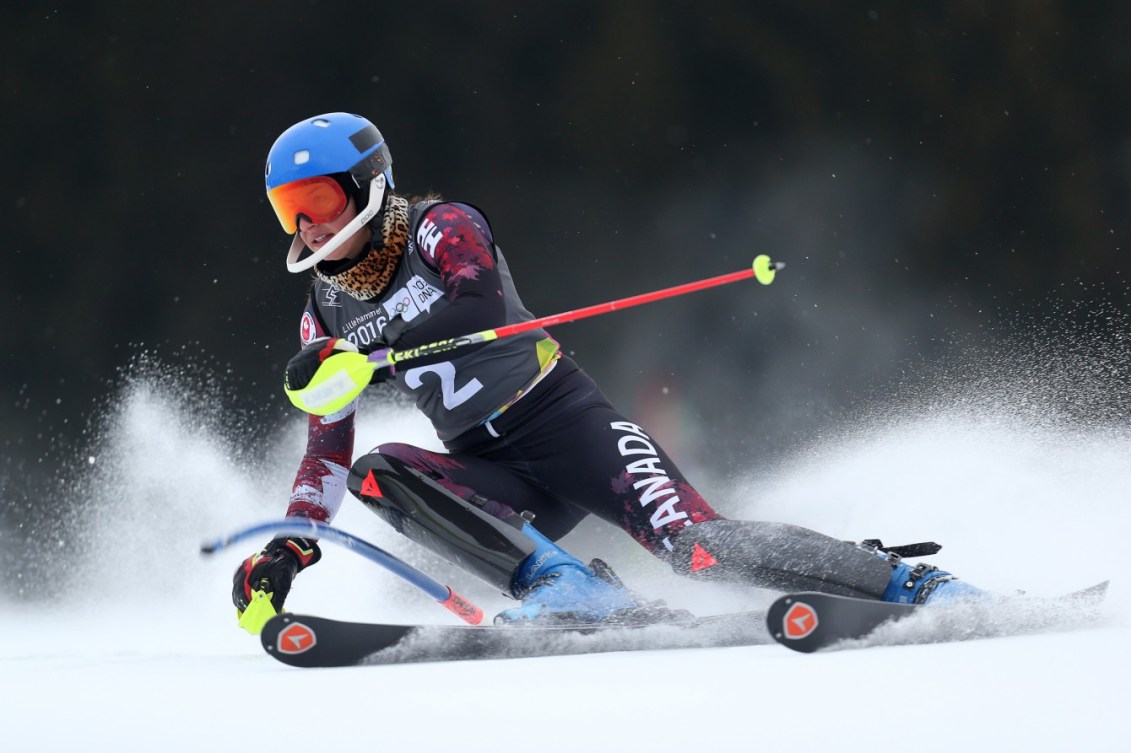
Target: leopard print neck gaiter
368,276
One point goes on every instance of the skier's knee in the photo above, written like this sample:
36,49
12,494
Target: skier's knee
411,455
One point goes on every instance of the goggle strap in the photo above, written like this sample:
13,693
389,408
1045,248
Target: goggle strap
376,194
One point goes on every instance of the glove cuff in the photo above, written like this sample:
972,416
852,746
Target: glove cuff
304,551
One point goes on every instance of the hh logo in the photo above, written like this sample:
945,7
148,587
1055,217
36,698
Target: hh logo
296,638
799,622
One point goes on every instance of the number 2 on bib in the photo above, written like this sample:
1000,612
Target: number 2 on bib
447,374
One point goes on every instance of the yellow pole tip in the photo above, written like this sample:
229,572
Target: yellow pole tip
764,269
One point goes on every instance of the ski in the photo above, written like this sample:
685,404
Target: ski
808,622
309,641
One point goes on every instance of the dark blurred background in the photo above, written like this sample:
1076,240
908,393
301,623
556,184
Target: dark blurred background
927,170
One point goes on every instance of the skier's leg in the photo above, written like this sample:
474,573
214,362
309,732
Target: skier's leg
613,468
434,499
786,557
778,556
495,486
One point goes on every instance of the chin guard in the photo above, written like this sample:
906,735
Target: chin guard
376,198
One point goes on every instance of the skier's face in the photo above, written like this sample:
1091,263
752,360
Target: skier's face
317,235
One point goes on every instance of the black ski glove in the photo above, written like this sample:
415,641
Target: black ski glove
303,365
272,570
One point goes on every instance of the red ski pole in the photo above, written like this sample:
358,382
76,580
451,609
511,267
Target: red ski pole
344,375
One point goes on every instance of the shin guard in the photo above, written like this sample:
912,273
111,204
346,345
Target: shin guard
441,521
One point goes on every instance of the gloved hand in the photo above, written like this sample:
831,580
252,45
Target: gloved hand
271,572
303,365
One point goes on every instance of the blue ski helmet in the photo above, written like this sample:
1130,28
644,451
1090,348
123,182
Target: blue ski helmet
337,142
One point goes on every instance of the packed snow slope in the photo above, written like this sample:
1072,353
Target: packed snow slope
139,651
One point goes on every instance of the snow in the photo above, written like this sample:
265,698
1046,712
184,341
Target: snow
145,655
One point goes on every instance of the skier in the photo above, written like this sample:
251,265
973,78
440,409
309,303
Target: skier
533,447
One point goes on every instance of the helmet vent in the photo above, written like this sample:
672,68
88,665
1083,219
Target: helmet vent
302,156
321,123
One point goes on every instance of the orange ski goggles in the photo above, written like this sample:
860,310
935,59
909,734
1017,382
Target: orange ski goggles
320,198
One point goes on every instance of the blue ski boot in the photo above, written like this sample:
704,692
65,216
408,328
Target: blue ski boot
926,584
556,588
